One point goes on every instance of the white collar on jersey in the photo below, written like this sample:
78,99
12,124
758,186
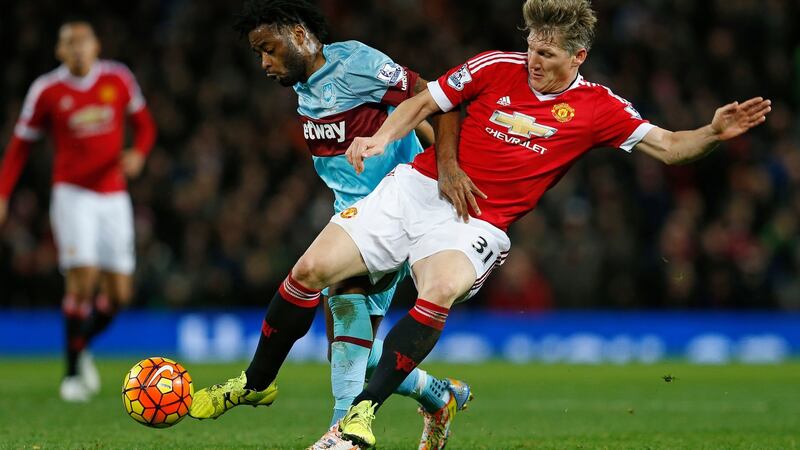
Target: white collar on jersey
544,97
83,83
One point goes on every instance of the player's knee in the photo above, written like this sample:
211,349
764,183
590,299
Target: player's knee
310,272
443,293
82,290
351,317
82,283
121,298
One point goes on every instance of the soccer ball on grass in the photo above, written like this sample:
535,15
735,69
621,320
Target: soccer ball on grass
157,392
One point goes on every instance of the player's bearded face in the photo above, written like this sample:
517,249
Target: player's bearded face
280,57
550,67
294,64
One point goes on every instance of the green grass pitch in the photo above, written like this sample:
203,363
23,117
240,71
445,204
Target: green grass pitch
515,407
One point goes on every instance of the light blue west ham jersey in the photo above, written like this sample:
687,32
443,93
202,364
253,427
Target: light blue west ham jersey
351,96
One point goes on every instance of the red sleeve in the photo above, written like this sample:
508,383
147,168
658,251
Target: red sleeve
29,127
33,118
144,129
465,82
135,98
16,155
616,123
402,90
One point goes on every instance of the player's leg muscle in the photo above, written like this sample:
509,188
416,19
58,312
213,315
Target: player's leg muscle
444,277
82,282
117,287
331,258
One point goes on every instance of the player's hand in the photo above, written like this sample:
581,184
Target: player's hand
362,148
132,163
735,118
456,186
3,210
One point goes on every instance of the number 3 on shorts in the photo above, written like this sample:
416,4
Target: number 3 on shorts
480,246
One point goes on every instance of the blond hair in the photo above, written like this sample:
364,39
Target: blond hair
571,20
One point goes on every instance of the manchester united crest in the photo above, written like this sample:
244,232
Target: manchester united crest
348,213
563,112
108,93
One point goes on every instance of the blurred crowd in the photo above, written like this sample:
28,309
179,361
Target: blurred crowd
229,198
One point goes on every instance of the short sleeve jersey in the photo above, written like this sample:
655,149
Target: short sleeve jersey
350,96
86,119
516,143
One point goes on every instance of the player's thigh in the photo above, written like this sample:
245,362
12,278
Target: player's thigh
476,244
116,241
377,225
331,258
81,282
117,287
73,218
443,277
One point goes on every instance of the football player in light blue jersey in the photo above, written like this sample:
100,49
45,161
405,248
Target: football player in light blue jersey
346,89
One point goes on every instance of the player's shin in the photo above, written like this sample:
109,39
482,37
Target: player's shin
75,314
102,315
350,349
406,345
289,317
430,391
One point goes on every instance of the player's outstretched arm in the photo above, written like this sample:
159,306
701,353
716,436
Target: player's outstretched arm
730,121
407,116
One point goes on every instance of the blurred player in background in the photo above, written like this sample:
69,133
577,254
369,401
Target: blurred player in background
83,105
345,89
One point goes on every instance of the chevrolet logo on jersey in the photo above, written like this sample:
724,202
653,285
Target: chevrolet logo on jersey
522,125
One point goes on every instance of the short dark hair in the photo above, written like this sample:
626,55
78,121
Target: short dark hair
281,13
574,20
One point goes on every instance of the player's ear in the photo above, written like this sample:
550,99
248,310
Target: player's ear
299,34
579,57
59,51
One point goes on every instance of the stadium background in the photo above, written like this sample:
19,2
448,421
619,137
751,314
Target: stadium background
229,197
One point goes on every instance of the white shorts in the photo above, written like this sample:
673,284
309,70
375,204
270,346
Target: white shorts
92,229
404,218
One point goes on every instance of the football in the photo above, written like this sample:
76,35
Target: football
157,392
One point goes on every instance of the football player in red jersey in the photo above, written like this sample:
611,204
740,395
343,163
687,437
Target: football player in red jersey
530,116
83,105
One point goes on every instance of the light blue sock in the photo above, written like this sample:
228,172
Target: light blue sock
338,414
352,335
431,392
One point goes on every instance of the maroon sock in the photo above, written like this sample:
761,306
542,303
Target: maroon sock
74,317
101,317
289,317
406,345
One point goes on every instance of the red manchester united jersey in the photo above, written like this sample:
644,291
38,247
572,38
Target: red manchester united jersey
85,117
516,143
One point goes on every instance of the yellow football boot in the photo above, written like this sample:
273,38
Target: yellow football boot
213,401
357,424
